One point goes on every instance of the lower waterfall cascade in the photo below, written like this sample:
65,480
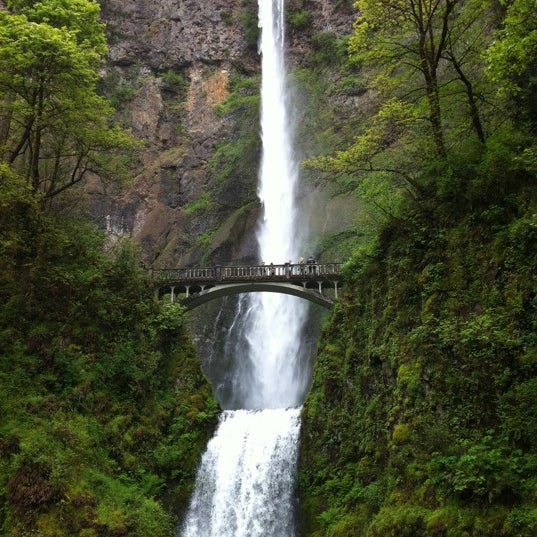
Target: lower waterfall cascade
251,459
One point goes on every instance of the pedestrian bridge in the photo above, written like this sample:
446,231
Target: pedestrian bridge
195,286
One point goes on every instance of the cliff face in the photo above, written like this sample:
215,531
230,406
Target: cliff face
175,33
171,64
185,76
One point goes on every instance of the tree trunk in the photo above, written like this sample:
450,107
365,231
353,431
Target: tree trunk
435,115
428,69
472,103
36,153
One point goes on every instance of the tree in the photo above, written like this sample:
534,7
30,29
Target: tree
54,128
511,58
427,45
423,62
406,37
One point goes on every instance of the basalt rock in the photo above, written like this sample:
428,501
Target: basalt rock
170,65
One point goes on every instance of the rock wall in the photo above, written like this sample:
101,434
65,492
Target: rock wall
170,64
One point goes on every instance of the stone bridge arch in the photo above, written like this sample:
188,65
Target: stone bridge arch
227,289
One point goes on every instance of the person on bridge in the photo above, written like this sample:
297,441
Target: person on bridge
311,262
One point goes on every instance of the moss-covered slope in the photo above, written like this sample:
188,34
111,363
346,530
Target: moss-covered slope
104,409
421,420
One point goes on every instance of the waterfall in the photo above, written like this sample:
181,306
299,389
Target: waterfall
244,486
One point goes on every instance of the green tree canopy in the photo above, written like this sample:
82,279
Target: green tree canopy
512,56
79,16
54,127
435,97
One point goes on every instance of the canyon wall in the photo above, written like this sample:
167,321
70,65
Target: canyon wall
171,68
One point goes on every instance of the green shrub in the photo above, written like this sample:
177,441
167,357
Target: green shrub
200,205
403,521
517,408
174,81
122,94
485,472
330,49
300,19
521,522
251,28
401,433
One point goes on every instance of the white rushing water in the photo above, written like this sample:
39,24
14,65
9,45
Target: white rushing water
244,486
245,483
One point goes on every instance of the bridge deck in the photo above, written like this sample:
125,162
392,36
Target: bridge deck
299,273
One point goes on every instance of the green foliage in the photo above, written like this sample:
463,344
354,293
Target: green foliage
129,508
511,57
80,16
122,93
56,128
300,19
170,318
174,81
517,410
98,382
203,245
401,434
199,205
420,420
234,162
238,103
398,521
522,522
353,85
329,49
483,471
250,26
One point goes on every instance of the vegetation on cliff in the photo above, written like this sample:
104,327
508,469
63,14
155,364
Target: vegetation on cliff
104,407
421,417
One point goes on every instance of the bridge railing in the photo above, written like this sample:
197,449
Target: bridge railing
185,274
287,271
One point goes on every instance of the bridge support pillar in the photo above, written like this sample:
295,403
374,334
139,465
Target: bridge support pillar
320,284
335,289
172,295
187,287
